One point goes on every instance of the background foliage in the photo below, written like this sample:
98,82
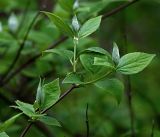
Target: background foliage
133,29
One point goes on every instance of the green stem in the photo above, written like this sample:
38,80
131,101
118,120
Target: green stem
95,80
75,53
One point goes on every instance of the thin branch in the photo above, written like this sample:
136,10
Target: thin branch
120,8
20,48
23,16
153,126
128,87
40,126
87,121
26,129
130,107
31,60
61,98
44,129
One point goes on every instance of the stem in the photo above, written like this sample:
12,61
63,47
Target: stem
26,130
128,82
31,60
120,8
61,98
95,80
152,131
75,53
20,48
87,121
130,107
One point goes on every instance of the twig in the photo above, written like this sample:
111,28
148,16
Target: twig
130,107
87,121
20,48
128,81
40,126
31,60
24,16
61,98
153,126
116,10
26,129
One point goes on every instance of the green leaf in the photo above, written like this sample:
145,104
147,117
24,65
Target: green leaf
96,50
75,24
9,122
40,94
93,72
52,93
49,121
68,6
60,24
87,61
113,86
72,78
133,63
26,108
62,52
103,62
89,27
3,134
115,53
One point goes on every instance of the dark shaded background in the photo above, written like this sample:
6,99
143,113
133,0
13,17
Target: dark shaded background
136,28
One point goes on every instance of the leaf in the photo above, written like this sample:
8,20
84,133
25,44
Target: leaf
40,94
60,24
76,4
103,62
89,27
113,86
96,50
93,72
13,23
9,122
75,23
115,53
3,134
133,63
87,61
52,93
73,78
49,121
62,52
1,27
26,108
68,6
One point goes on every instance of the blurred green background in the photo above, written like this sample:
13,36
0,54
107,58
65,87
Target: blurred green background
136,28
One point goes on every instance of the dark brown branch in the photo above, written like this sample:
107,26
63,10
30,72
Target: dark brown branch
20,48
26,129
130,107
42,127
120,8
128,87
61,98
87,122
